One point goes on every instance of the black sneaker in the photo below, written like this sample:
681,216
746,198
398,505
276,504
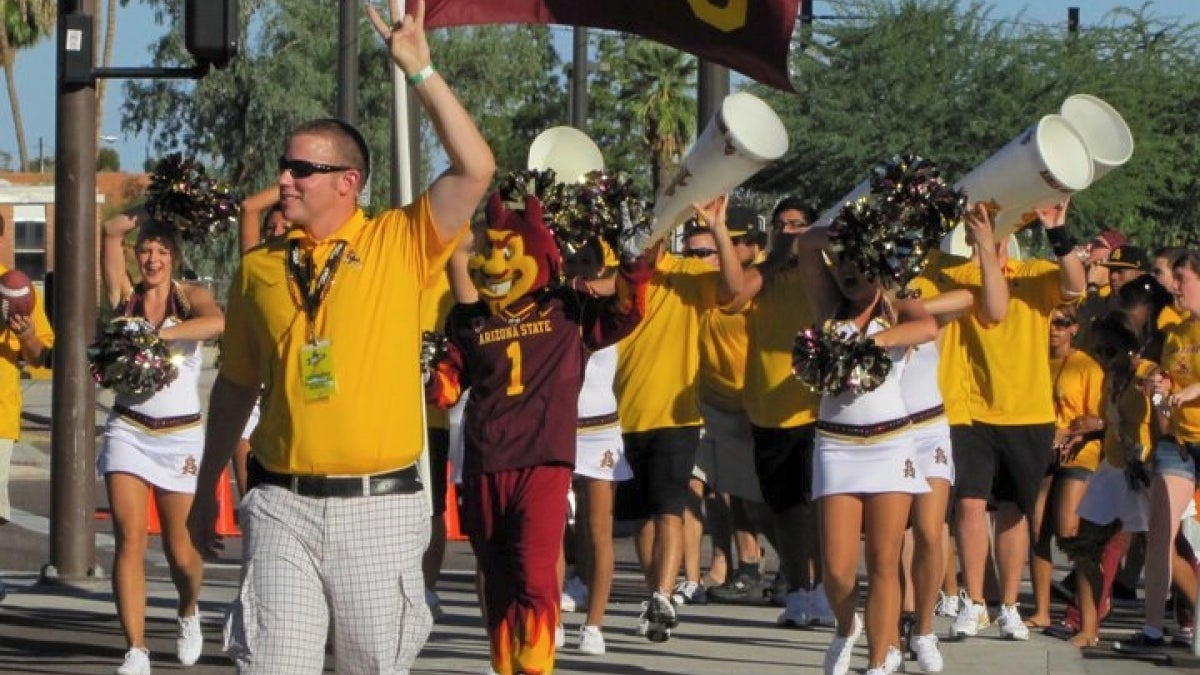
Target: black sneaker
908,622
1140,644
743,588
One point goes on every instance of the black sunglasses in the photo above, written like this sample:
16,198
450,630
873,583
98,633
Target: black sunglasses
699,252
795,222
1062,323
300,168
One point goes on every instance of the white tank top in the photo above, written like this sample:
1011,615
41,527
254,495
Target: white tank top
596,397
919,382
883,404
182,396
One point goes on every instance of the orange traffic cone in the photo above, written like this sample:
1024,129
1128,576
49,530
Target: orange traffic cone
453,527
153,526
226,520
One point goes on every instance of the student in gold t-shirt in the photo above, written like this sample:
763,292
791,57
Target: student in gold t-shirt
1005,451
660,416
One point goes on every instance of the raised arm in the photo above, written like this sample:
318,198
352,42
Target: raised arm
783,247
993,306
456,193
819,284
1072,276
713,213
112,255
250,222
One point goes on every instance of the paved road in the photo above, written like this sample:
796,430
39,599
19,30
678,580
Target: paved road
52,629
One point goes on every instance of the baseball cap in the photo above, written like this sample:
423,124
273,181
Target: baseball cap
1128,257
1110,239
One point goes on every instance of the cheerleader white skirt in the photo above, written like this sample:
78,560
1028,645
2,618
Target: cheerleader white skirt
168,460
885,463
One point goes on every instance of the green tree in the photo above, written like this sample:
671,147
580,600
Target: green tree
23,23
107,159
949,81
657,86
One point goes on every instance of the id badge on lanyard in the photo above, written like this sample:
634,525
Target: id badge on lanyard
316,356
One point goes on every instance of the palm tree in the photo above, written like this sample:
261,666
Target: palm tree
659,94
23,24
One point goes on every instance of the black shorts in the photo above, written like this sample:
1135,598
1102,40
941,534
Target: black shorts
783,460
439,458
1001,463
662,461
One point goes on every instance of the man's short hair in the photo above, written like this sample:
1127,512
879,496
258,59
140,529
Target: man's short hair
793,203
351,146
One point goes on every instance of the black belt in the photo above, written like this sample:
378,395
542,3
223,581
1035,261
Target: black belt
862,430
156,423
405,481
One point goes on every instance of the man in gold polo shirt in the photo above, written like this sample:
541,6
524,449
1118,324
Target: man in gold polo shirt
324,320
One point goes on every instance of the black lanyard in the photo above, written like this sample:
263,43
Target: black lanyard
312,292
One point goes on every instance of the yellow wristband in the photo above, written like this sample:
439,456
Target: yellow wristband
421,75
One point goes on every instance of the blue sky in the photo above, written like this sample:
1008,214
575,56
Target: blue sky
136,31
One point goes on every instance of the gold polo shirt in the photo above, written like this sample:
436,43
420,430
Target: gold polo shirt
371,423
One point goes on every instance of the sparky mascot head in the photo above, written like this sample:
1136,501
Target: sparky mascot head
519,255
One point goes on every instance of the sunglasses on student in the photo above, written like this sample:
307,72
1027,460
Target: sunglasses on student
300,168
1061,323
699,252
795,222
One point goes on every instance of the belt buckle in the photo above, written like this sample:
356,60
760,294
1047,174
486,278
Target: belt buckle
294,483
366,486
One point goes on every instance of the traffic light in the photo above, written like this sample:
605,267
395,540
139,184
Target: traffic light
211,32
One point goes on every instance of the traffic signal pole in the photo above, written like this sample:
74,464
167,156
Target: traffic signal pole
73,423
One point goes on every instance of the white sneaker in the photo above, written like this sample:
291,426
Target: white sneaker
434,603
560,636
819,611
574,595
190,643
837,656
892,663
795,613
591,640
643,624
929,657
660,617
947,605
137,662
1011,625
689,593
971,619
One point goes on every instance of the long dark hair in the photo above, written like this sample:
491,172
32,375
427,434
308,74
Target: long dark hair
1146,293
1114,342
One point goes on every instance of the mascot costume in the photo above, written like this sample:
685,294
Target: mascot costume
522,350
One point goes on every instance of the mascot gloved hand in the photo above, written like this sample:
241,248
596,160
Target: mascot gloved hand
520,255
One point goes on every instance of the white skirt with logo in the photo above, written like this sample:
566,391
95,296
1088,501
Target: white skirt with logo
169,460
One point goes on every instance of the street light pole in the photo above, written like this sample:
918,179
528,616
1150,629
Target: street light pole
73,424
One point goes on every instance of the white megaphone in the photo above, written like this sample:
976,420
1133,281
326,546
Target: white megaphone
1045,163
743,136
569,152
1103,131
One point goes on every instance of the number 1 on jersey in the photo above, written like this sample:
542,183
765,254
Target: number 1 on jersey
515,386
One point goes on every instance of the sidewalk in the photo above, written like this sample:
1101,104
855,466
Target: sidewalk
73,631
48,630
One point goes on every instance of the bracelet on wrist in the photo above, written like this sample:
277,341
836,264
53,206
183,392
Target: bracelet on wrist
421,75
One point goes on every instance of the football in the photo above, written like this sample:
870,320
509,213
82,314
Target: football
16,294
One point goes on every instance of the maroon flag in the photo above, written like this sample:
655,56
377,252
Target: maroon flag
750,36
